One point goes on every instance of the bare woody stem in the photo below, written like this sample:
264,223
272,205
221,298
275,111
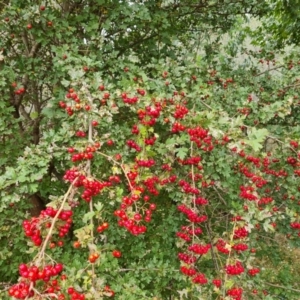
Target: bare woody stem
119,164
42,251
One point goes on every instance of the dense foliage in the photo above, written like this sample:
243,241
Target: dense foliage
144,155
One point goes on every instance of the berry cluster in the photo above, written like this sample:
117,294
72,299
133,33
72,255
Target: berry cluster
93,257
180,112
80,133
186,237
240,233
201,201
150,184
133,145
235,269
199,249
246,193
150,141
32,228
253,271
30,276
187,188
149,116
235,293
145,163
87,154
20,291
265,201
187,233
177,127
222,246
20,91
201,137
129,100
240,247
192,216
91,187
200,279
188,271
131,224
135,129
295,225
187,258
102,227
75,295
190,161
217,283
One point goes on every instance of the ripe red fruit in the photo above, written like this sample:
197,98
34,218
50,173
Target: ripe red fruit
63,277
29,26
118,156
106,95
60,243
76,244
117,253
137,217
101,228
52,245
110,142
95,123
42,7
93,257
152,206
64,56
101,87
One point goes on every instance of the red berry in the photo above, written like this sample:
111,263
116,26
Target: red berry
116,254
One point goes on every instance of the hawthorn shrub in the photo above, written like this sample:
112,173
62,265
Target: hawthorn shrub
157,173
176,183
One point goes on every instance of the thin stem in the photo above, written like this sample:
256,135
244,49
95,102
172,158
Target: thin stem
271,69
228,258
194,196
41,254
282,287
119,164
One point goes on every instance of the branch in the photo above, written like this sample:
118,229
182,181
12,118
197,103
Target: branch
282,287
272,69
41,253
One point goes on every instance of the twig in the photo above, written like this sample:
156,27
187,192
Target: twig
144,269
275,68
223,200
206,104
282,287
41,254
119,164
